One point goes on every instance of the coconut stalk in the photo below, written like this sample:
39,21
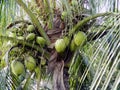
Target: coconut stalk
84,21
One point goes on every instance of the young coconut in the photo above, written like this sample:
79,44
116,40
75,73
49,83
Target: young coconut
60,45
37,72
30,63
80,38
41,41
17,67
67,41
30,28
73,46
30,36
74,3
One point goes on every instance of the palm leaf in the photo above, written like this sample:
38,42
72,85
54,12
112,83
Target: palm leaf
8,9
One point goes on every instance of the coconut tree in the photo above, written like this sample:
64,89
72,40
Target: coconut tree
60,44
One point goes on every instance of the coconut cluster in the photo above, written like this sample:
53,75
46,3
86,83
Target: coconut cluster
19,67
29,62
27,33
78,40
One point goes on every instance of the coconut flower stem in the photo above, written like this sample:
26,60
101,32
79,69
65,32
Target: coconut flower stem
34,20
84,21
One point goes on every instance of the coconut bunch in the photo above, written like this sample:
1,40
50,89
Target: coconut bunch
24,58
59,52
25,61
26,32
19,67
61,41
62,47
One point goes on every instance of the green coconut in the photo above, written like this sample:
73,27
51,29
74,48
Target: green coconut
41,41
30,63
60,45
30,37
30,28
17,67
73,46
67,41
80,38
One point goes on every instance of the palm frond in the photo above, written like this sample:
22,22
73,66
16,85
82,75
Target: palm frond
106,56
3,79
8,9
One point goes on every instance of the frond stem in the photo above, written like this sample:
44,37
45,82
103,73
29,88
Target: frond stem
84,21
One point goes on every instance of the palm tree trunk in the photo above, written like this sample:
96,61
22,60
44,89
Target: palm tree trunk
58,83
